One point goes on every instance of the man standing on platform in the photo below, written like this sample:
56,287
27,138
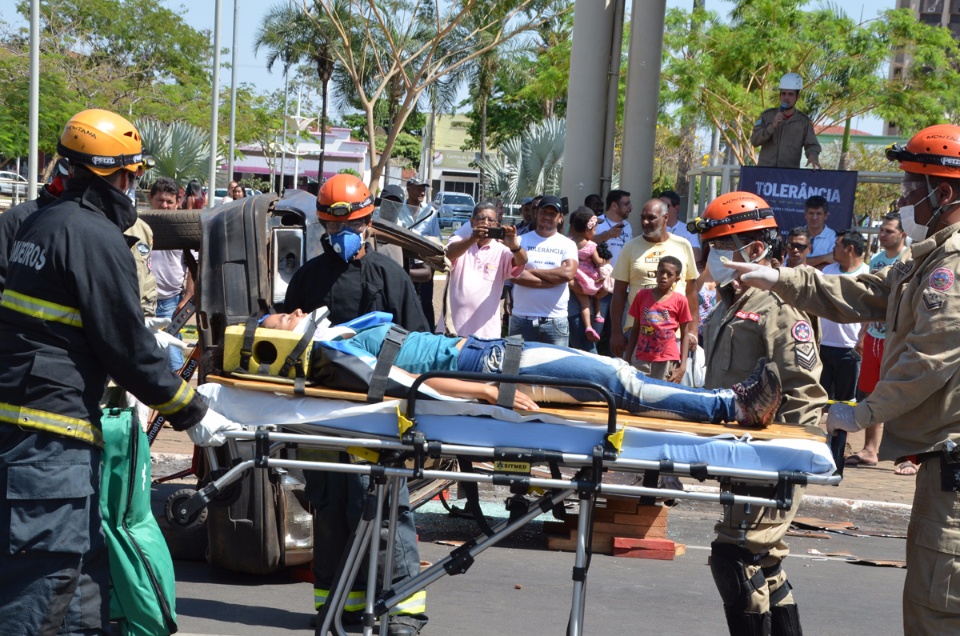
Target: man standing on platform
782,133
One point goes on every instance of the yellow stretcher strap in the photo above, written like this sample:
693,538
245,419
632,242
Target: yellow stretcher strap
403,423
616,440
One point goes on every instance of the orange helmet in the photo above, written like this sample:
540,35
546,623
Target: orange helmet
344,197
733,213
102,141
934,151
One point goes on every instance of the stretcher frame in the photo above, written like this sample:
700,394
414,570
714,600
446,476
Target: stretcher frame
389,468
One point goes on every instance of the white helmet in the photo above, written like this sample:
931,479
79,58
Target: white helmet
791,82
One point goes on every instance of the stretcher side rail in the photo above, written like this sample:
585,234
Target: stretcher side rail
339,442
267,439
610,450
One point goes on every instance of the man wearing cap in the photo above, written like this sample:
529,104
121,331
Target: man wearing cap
783,132
426,224
541,293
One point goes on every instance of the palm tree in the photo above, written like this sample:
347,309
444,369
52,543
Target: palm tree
291,36
180,150
529,164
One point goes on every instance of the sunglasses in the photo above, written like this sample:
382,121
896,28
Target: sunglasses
798,246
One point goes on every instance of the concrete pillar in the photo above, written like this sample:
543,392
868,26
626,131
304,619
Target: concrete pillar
641,104
587,99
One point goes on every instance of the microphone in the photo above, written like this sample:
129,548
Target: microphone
783,106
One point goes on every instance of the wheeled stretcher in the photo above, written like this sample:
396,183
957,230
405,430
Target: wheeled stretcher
395,438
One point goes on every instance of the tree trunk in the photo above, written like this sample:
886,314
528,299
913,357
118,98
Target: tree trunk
845,147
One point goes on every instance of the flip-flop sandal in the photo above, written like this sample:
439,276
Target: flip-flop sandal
857,462
592,335
906,469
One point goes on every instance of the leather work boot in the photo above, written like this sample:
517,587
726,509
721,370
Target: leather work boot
759,396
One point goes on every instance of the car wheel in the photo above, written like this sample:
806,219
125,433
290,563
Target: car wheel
174,229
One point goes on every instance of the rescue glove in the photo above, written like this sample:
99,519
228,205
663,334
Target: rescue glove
754,275
165,341
209,431
841,417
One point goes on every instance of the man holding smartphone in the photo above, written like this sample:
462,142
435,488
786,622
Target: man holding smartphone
480,264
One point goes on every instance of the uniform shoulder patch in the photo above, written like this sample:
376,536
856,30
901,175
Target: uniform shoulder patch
802,331
941,279
143,248
806,355
932,300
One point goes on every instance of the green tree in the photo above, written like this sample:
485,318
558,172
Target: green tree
726,72
91,57
181,151
400,48
529,164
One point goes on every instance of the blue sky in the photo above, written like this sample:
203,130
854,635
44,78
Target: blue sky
252,69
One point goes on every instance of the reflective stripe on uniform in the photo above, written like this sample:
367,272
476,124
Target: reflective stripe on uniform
42,309
181,398
356,601
416,603
25,417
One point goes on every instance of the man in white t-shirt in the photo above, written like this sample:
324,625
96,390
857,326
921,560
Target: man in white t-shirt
613,228
541,293
838,342
676,227
174,283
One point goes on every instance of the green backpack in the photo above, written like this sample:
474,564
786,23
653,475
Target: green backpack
142,583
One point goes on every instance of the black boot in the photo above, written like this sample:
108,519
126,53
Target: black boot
748,624
785,621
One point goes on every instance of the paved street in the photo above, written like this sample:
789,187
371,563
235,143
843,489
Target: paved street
524,589
521,588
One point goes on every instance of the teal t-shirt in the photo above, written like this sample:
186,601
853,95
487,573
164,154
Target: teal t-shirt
419,353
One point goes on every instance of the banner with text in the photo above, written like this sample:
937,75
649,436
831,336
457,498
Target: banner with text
786,190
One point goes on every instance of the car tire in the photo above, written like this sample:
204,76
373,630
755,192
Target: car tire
174,229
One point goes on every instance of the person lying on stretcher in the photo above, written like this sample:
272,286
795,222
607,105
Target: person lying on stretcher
752,403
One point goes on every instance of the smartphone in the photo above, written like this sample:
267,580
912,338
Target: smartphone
495,232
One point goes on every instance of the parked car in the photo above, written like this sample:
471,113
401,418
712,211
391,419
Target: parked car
455,208
9,180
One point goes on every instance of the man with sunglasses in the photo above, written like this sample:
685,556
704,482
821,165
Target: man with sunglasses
798,247
916,396
352,279
746,325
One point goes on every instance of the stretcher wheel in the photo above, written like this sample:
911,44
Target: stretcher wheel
177,499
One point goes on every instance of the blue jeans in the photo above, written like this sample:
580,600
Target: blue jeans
166,307
841,367
578,339
631,390
555,331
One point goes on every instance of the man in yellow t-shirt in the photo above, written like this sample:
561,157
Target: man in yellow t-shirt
636,268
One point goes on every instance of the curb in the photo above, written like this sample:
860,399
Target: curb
879,515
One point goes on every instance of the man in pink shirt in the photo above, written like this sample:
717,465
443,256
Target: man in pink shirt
480,265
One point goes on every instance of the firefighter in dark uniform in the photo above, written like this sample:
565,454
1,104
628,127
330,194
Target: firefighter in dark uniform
351,279
12,219
748,324
70,315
